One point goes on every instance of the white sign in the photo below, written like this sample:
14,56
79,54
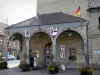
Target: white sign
53,31
62,51
63,67
62,55
27,33
96,52
62,48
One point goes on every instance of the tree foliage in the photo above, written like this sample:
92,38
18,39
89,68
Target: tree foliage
17,37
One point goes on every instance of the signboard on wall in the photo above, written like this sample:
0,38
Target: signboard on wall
53,31
62,54
96,52
62,48
62,51
27,33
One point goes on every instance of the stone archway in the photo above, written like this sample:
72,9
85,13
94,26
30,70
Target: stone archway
17,42
73,45
38,43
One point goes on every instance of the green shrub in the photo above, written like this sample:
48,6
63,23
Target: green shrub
85,70
24,67
3,65
52,68
1,59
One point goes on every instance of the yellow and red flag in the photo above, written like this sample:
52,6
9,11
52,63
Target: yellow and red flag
77,12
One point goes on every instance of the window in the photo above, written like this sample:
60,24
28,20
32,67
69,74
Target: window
72,55
1,42
27,33
72,52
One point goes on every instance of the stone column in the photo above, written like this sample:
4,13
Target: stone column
54,49
27,51
6,52
5,48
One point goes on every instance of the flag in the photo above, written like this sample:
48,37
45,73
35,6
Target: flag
77,12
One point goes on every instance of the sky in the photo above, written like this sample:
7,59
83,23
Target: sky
14,11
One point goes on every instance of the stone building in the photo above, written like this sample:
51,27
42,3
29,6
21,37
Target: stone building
94,31
2,37
90,10
13,48
56,33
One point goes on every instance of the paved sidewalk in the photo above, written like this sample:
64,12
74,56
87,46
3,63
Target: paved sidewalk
16,71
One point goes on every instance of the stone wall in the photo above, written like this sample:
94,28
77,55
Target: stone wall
66,6
94,36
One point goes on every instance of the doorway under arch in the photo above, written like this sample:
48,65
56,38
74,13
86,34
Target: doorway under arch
39,42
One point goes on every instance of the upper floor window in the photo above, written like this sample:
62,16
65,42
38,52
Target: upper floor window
1,42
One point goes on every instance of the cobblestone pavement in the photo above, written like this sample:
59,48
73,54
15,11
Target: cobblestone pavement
16,71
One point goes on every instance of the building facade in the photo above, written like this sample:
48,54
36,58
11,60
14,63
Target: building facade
2,38
52,37
59,36
13,48
89,10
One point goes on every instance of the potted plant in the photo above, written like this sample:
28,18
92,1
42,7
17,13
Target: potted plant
52,68
24,67
85,70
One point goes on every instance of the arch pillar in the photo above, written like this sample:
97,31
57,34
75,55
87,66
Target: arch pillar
6,48
27,51
6,51
54,49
